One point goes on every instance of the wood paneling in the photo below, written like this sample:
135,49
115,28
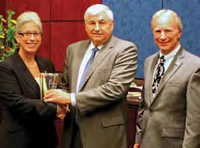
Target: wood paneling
1,105
45,48
2,7
70,9
42,7
63,34
131,121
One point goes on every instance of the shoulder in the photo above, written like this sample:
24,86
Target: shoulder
121,47
8,62
9,67
123,43
151,57
191,61
43,60
189,57
78,44
75,48
45,64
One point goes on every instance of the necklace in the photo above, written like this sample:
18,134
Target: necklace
32,66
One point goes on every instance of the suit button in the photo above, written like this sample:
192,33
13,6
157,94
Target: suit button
150,110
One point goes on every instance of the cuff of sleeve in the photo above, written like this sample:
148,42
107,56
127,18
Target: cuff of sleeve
73,99
138,138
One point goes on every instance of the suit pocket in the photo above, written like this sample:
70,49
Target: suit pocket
11,126
173,84
173,133
106,122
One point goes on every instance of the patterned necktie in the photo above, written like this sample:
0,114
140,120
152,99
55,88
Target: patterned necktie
158,74
87,67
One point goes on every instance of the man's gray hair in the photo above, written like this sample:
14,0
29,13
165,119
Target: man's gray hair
98,8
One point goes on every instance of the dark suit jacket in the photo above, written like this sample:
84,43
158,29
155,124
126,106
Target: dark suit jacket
27,121
101,102
171,119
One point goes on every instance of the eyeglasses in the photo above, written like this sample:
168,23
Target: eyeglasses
29,34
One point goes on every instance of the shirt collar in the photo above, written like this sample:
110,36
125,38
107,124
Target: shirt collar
92,46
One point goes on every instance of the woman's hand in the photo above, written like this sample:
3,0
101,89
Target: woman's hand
136,146
57,96
62,110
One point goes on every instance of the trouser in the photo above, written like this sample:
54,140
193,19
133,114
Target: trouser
76,137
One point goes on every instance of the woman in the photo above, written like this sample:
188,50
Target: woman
27,121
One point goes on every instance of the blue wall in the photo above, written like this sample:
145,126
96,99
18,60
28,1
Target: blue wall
133,17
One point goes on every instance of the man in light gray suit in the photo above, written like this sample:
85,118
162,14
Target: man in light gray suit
169,116
97,98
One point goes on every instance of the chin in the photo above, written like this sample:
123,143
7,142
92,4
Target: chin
97,39
31,50
97,42
163,47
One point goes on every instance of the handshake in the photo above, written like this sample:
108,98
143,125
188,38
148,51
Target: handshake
61,98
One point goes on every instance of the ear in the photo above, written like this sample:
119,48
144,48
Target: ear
17,37
180,33
85,26
112,25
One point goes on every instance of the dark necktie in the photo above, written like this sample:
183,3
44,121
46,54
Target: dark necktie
87,67
158,74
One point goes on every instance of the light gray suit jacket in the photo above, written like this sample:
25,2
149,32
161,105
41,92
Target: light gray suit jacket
101,103
171,119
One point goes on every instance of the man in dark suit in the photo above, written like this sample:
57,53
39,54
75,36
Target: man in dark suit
169,115
97,118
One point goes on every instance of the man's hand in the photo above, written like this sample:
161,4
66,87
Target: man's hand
136,146
57,96
62,110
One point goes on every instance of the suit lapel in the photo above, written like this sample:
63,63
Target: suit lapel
79,57
174,66
152,67
25,74
99,57
42,66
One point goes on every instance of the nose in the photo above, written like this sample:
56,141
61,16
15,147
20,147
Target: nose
163,36
32,36
97,27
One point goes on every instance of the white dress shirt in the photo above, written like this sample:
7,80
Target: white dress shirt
168,60
169,57
86,58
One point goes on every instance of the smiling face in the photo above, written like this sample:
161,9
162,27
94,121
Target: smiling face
29,38
166,33
99,28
